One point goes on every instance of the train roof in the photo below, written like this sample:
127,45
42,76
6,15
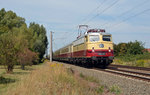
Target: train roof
101,31
63,47
96,30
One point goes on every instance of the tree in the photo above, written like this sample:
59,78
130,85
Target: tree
19,43
39,41
26,57
130,48
10,19
8,51
135,48
120,49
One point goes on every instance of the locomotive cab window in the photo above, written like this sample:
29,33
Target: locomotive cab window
106,37
94,38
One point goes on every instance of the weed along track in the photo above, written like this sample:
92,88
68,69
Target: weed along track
131,82
139,73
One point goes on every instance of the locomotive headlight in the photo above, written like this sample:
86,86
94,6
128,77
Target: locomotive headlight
93,50
109,49
101,45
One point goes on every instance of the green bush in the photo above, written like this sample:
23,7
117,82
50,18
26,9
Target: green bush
130,48
140,63
128,58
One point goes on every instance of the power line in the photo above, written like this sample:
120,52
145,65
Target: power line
126,12
99,6
133,8
101,12
106,10
129,18
110,6
55,45
92,12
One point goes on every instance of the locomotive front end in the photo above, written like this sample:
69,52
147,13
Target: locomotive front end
99,47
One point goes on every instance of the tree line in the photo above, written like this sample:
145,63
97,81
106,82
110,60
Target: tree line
20,44
130,48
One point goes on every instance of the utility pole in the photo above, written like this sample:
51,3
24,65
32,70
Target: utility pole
51,50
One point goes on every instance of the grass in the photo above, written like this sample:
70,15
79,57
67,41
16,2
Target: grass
128,58
134,60
115,89
4,80
8,81
100,89
88,78
138,63
49,79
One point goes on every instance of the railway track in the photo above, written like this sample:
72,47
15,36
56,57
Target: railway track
136,73
139,73
130,67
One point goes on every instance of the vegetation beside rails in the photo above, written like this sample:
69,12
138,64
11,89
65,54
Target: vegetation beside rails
101,89
141,60
132,54
51,79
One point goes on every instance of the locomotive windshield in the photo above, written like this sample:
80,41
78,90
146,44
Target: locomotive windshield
106,38
94,38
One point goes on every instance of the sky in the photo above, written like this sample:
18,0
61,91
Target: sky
126,20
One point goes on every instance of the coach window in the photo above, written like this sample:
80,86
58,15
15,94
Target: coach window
94,38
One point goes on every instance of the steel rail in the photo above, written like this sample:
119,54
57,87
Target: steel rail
130,67
133,72
134,75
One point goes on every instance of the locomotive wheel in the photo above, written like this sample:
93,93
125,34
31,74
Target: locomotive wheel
84,63
106,62
89,64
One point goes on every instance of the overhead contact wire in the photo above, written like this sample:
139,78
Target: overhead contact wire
126,12
130,18
102,11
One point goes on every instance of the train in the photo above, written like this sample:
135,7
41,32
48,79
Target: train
93,48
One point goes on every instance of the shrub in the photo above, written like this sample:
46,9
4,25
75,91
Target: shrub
130,48
26,57
140,63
